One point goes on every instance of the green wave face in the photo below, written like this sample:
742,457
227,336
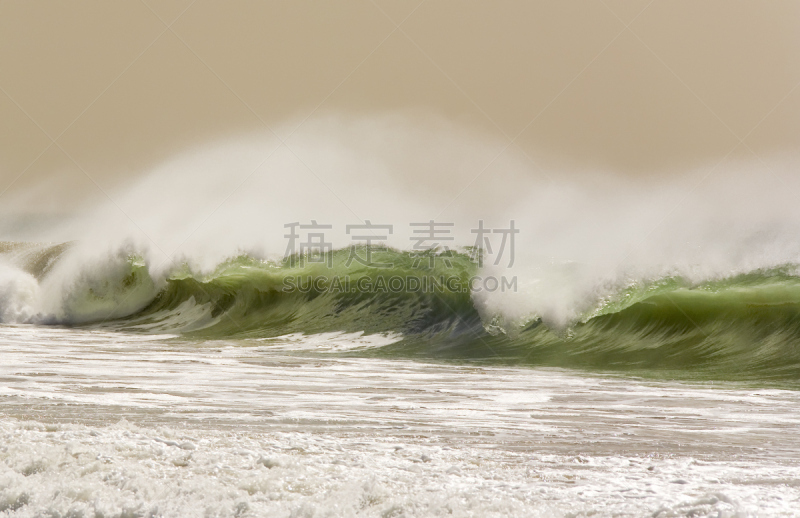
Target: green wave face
730,333
744,327
248,298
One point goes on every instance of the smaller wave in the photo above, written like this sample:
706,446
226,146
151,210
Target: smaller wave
61,285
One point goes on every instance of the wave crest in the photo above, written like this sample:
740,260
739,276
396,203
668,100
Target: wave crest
741,326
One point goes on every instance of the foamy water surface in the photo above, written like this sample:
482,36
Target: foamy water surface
95,423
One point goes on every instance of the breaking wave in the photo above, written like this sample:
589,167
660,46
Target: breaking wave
691,273
744,326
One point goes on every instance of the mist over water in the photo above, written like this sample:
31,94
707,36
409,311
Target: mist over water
584,235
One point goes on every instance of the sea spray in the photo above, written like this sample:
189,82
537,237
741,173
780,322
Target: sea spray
19,292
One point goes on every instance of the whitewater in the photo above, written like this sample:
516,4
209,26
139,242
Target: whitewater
163,354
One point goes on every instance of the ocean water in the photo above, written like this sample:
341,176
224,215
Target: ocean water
234,392
104,423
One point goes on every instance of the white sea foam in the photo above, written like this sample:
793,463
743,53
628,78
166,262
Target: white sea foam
330,342
125,469
101,423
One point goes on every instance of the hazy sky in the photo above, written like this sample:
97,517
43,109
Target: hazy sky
633,86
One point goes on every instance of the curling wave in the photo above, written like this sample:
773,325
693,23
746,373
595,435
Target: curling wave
741,327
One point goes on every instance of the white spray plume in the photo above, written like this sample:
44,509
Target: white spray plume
19,295
583,234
